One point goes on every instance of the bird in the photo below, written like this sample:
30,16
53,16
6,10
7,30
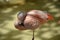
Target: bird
32,20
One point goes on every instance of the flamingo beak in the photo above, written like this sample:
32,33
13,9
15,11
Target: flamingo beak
50,17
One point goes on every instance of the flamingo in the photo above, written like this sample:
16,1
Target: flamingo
32,20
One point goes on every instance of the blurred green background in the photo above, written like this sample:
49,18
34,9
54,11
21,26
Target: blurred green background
9,10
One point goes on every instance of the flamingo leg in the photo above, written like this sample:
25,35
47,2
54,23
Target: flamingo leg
33,34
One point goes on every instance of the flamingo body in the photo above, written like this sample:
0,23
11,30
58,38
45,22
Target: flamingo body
32,19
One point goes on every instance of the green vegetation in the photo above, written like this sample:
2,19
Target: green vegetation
9,10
